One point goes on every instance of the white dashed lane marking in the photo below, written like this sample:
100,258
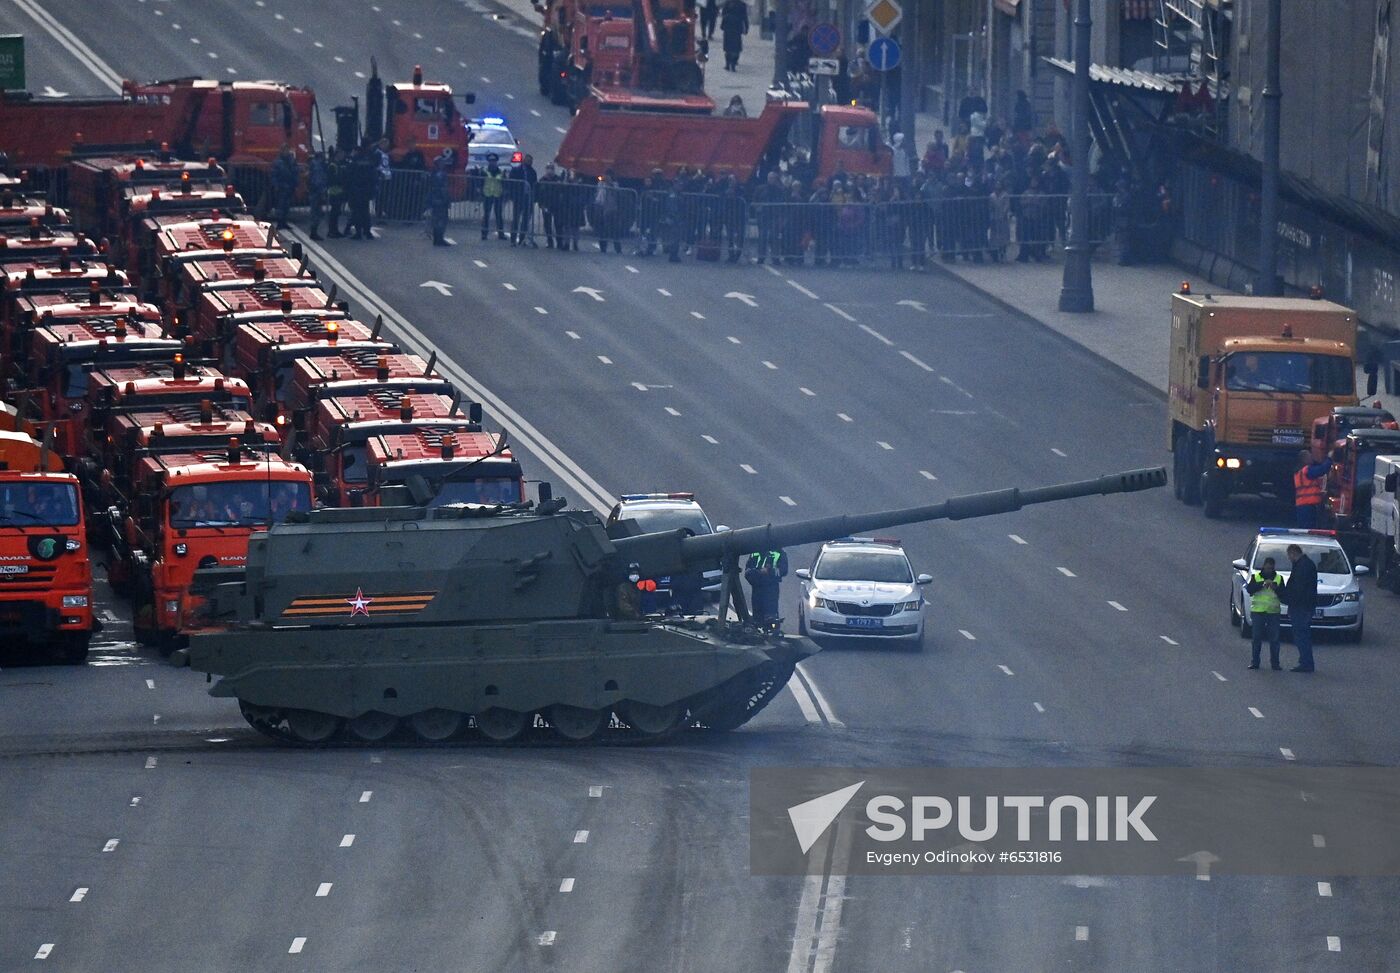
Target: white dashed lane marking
805,390
534,112
1168,639
1038,707
540,310
1218,676
595,790
150,684
1005,669
78,895
546,938
1059,452
605,359
875,334
1287,753
44,951
882,444
671,411
733,340
1081,934
747,468
789,501
567,885
1254,712
929,476
580,837
631,269
573,334
916,361
839,312
802,290
710,439
1324,889
697,315
1334,944
347,841
323,890
663,292
967,635
1117,606
480,263
509,287
111,844
150,763
1319,841
365,796
1069,574
769,365
298,945
1017,538
843,417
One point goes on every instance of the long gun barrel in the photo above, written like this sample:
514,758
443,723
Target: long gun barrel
673,551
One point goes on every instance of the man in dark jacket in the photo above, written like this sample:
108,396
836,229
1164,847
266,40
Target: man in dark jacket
550,197
439,199
284,185
318,180
522,184
764,572
1300,594
733,24
360,185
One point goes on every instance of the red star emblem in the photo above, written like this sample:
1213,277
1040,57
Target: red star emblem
359,605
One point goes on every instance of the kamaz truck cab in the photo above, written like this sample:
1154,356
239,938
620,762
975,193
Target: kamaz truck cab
266,351
357,373
45,572
1347,503
217,309
459,466
185,275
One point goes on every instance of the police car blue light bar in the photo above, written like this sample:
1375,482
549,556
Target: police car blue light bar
1296,532
492,120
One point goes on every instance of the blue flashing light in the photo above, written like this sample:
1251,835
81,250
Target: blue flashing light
1296,532
492,120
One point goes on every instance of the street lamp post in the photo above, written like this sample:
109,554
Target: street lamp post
1077,289
780,38
1268,283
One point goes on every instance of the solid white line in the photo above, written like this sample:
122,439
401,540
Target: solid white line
78,895
773,270
150,684
574,334
365,796
697,315
323,890
805,390
297,944
769,365
709,439
546,938
1287,753
1058,452
915,360
567,885
1168,639
1319,841
967,635
811,686
804,934
732,340
1218,676
1038,707
540,310
111,844
671,411
837,310
347,841
804,699
1005,669
100,69
1334,944
580,837
875,334
927,475
803,290
595,790
747,468
1081,934
1117,607
1017,538
1069,574
882,444
1254,712
843,417
508,286
605,359
1324,889
44,951
789,501
663,292
586,489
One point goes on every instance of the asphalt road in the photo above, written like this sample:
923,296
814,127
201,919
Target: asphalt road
1091,633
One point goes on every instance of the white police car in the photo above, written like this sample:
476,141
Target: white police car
861,587
1340,604
491,136
656,512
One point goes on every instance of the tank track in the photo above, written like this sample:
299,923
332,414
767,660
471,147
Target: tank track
721,709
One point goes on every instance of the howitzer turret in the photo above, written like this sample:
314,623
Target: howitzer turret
360,620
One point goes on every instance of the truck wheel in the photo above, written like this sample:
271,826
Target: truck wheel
1213,494
73,647
1185,475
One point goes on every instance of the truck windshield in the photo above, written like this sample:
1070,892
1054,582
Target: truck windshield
51,504
486,489
240,503
1284,371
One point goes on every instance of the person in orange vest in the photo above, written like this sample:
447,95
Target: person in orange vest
1309,485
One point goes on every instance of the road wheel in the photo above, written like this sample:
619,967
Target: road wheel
373,726
1235,617
576,722
802,622
1213,494
1246,629
1190,471
502,725
309,726
650,720
73,647
436,725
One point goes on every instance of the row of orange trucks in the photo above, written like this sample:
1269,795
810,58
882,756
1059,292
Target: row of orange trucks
174,379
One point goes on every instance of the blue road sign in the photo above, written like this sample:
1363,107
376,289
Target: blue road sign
883,54
824,40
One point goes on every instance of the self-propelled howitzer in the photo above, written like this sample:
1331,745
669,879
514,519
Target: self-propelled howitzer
361,621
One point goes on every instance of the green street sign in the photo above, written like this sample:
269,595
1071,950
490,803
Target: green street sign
11,61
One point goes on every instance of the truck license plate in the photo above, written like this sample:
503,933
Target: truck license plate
1288,437
864,623
14,569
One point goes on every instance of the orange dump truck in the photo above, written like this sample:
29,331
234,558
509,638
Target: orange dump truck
45,573
1248,378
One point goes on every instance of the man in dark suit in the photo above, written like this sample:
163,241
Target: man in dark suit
1300,594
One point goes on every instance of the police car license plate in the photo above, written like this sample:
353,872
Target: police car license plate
14,569
864,623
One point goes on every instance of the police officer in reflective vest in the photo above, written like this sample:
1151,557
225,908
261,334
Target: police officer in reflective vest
765,571
1308,488
493,189
1265,611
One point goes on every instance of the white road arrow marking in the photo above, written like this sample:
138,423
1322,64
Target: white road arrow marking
444,289
590,291
746,298
919,306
